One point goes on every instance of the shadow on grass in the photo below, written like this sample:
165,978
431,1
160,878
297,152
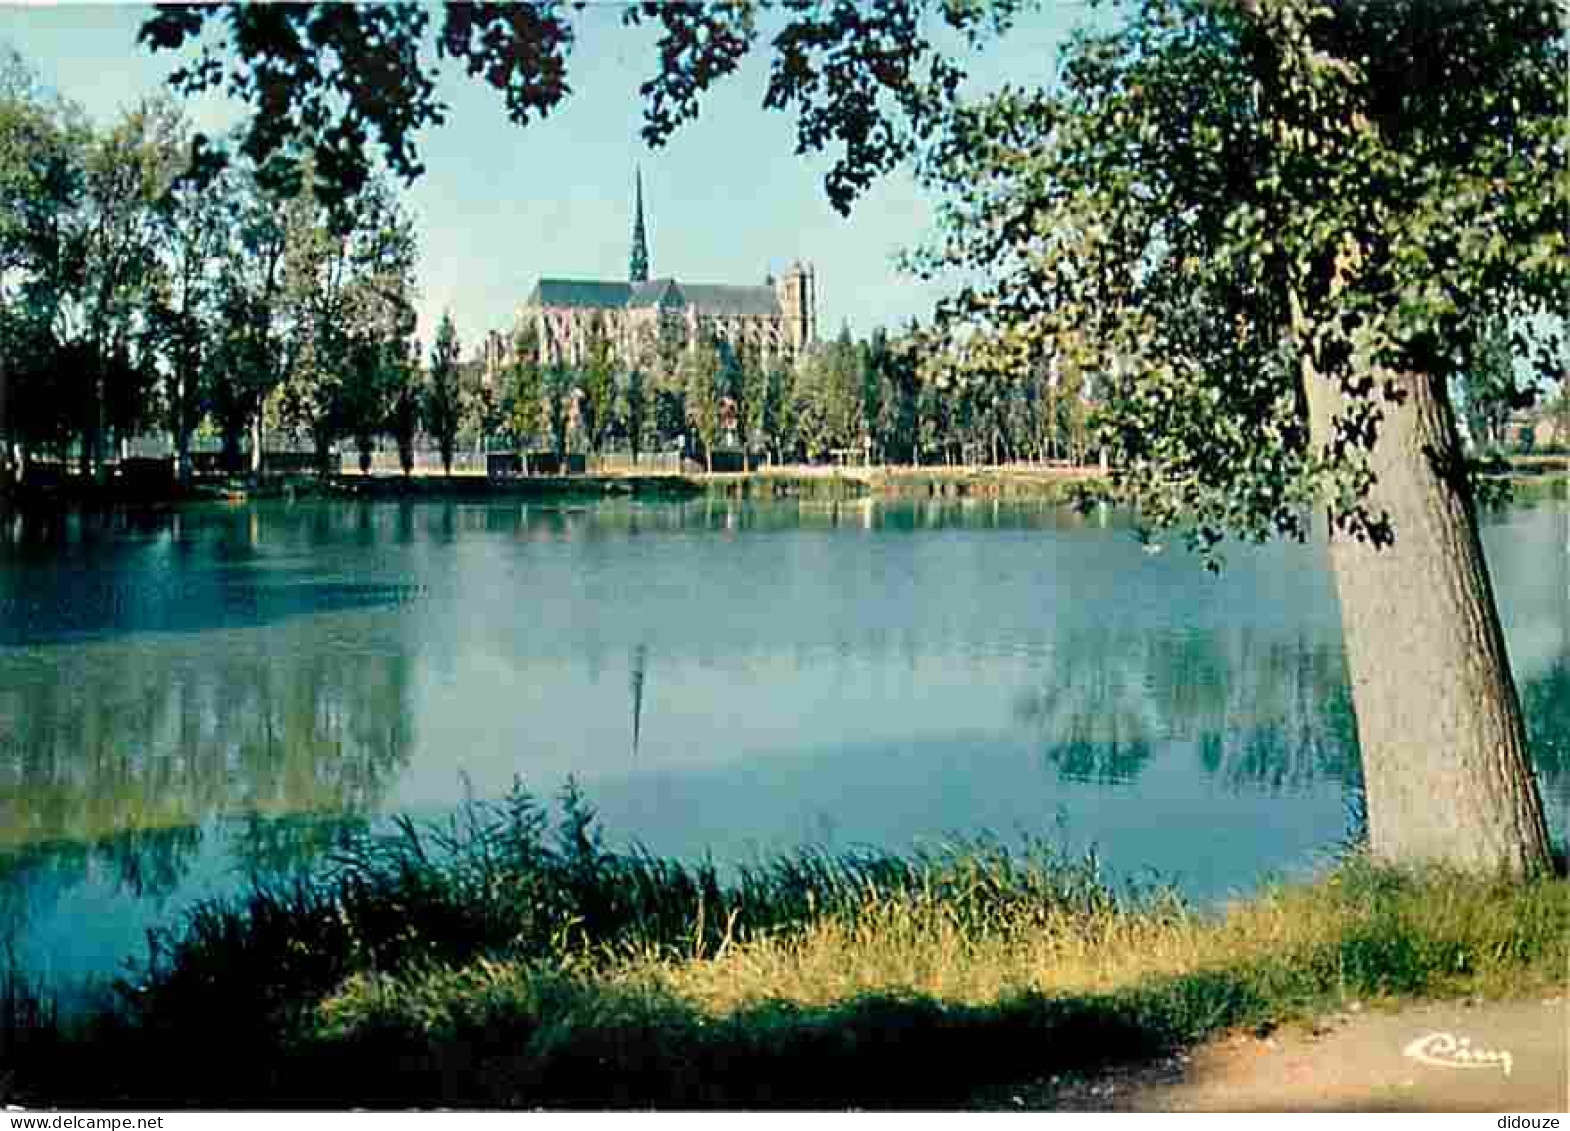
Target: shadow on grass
563,1042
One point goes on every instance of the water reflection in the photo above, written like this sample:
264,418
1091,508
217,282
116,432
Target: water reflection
170,739
267,845
116,761
189,699
639,669
1259,712
1545,698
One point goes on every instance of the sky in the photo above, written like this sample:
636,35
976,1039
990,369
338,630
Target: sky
727,200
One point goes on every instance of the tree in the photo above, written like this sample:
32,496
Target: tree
766,393
404,420
1488,386
597,386
670,412
668,401
443,403
702,373
1272,229
526,391
247,358
42,174
635,410
558,409
126,169
185,312
484,404
348,293
828,397
374,382
890,398
869,79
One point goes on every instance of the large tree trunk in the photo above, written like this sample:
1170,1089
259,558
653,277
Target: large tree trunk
1446,768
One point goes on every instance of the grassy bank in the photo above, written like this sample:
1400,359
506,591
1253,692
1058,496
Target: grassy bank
1051,484
79,493
510,959
1522,482
1538,488
574,487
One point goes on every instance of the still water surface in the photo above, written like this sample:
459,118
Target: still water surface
189,700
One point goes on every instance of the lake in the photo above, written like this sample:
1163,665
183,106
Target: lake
191,699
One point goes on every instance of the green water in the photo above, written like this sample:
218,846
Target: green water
190,700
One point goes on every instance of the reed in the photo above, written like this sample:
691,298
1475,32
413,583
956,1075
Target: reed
508,957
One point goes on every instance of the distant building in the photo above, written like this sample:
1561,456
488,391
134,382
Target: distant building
493,355
777,318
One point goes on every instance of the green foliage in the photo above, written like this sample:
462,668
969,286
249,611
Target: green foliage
483,405
346,296
636,417
1488,386
404,420
184,313
1225,208
443,397
828,395
597,386
558,406
867,79
766,392
525,394
702,371
81,243
248,360
503,878
144,289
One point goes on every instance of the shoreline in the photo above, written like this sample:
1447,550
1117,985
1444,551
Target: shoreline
791,482
1528,481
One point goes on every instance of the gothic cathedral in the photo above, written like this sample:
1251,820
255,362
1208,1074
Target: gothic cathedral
776,319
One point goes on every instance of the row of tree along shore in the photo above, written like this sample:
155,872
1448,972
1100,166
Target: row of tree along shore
798,482
149,299
1520,479
152,295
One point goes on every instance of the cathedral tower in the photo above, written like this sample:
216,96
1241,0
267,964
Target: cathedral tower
638,266
798,299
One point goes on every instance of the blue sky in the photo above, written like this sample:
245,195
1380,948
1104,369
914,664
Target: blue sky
726,201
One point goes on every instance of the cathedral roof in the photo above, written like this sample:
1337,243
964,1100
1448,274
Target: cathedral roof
732,300
596,294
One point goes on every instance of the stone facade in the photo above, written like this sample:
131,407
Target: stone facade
778,318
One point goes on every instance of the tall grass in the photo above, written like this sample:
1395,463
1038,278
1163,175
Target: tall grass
508,957
501,880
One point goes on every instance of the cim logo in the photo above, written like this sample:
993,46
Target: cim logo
1446,1050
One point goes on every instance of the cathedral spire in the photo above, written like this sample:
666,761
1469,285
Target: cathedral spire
638,267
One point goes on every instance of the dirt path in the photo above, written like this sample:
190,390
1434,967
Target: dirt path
1410,1060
